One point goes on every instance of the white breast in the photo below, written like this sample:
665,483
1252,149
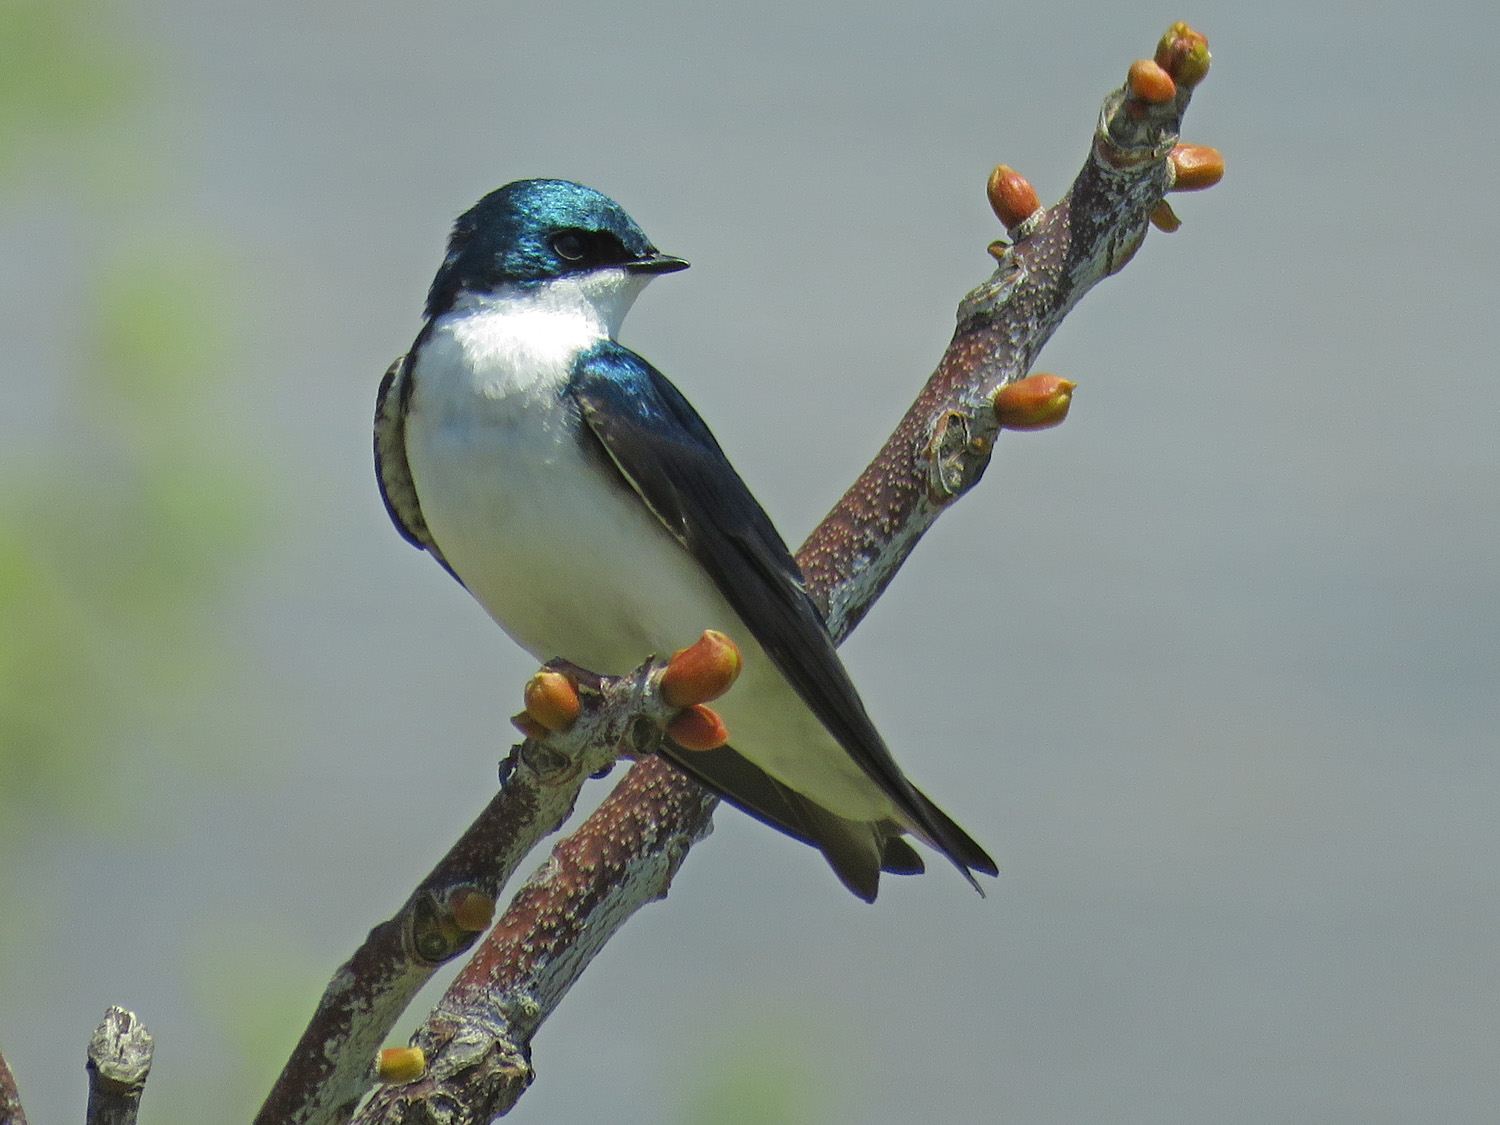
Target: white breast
564,556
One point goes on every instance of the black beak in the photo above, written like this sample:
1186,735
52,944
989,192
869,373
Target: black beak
656,263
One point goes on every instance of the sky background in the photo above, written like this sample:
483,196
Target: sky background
1212,669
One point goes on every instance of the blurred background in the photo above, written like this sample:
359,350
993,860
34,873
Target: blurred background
1211,669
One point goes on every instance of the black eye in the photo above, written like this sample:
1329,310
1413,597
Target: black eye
569,246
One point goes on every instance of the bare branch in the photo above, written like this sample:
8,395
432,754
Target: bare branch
119,1062
11,1112
624,857
477,1041
331,1067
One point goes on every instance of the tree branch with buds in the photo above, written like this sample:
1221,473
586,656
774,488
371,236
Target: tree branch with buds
577,724
475,1047
470,1061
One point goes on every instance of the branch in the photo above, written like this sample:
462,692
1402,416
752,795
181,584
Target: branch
476,1044
11,1112
119,1061
331,1067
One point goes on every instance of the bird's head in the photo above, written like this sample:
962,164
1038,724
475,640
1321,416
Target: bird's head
534,231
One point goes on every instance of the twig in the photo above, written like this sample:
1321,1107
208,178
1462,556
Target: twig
477,1041
11,1112
624,856
119,1061
331,1067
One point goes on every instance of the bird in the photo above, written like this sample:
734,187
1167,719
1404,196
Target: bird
574,492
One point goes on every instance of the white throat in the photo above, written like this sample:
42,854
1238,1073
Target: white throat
588,305
519,341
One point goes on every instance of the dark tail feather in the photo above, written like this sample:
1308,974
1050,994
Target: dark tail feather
851,847
857,851
954,842
898,857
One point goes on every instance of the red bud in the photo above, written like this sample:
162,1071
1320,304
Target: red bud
698,728
703,671
1163,218
1150,83
1012,196
1196,167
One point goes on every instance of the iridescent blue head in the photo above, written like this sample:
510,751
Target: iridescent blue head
532,231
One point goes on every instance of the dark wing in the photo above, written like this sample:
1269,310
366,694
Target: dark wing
391,468
667,454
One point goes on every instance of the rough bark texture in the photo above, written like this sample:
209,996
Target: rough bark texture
332,1065
11,1112
119,1061
478,1039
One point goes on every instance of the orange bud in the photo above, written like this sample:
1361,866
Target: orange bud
1163,218
401,1064
1183,54
529,726
472,909
1012,196
1033,403
703,671
698,728
1196,167
1150,83
998,248
552,700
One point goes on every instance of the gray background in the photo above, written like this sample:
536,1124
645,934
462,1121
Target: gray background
1211,668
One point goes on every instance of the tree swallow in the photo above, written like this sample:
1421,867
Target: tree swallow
574,492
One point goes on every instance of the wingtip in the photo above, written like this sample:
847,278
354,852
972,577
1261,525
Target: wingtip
973,882
944,834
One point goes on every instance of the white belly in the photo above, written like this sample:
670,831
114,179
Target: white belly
571,564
